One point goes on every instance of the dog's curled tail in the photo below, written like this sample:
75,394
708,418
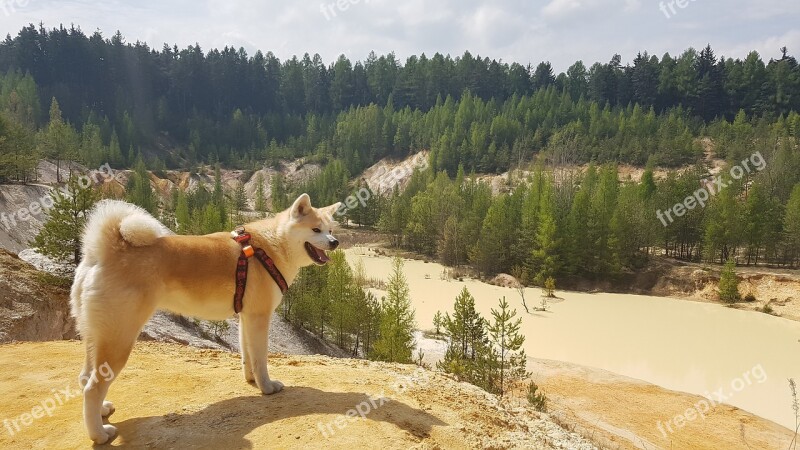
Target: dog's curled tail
113,226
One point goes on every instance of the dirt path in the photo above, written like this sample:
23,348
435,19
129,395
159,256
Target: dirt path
172,396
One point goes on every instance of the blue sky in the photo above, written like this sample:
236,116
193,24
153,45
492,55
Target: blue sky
560,31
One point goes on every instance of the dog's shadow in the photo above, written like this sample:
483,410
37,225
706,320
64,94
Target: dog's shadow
227,422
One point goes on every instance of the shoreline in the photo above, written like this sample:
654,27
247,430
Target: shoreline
677,275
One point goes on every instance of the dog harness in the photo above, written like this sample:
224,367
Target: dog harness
243,238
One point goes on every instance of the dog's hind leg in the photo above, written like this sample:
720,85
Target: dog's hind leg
247,363
86,373
110,343
113,355
256,327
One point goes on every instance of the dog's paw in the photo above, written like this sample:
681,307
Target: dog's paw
108,432
107,409
272,387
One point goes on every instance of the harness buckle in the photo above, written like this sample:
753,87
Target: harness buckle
240,236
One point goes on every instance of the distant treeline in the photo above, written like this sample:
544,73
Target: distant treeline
562,222
224,105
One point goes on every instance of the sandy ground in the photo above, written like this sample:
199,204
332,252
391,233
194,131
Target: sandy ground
172,396
620,412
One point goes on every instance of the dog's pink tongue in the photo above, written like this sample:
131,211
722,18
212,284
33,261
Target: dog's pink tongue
322,255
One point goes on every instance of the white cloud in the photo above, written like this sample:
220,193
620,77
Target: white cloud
558,8
561,31
768,47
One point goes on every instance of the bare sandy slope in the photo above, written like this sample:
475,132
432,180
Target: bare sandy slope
172,396
620,412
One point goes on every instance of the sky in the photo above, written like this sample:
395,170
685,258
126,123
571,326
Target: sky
524,31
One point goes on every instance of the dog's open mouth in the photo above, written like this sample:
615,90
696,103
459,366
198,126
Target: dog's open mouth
318,256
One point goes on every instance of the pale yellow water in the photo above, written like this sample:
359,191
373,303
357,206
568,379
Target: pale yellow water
686,346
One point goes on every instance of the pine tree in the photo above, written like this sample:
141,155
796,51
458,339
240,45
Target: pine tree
438,322
182,215
240,198
59,140
140,192
60,237
544,257
18,155
280,198
218,196
505,335
396,341
367,319
490,253
115,153
341,292
550,287
791,228
209,220
466,334
729,283
261,198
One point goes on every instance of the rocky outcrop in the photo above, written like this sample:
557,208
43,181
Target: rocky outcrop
34,306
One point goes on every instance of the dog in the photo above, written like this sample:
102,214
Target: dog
133,265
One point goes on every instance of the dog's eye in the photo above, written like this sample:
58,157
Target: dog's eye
316,230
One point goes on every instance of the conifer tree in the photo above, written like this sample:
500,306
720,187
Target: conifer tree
505,335
59,140
61,236
396,341
261,198
140,192
466,334
280,199
729,283
791,227
182,215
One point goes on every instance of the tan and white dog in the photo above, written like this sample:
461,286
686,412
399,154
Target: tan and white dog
133,265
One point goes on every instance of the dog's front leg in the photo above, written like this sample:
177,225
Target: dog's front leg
257,340
247,364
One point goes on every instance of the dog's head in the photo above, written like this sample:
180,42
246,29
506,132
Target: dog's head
312,229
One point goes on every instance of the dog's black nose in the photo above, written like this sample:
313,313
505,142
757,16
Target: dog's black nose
334,244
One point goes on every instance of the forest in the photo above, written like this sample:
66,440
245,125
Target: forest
183,107
69,96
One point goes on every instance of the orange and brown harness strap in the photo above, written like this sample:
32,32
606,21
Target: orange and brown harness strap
243,238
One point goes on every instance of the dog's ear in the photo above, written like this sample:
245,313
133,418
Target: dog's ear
301,207
331,211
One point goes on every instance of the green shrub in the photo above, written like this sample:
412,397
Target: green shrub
729,283
536,398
